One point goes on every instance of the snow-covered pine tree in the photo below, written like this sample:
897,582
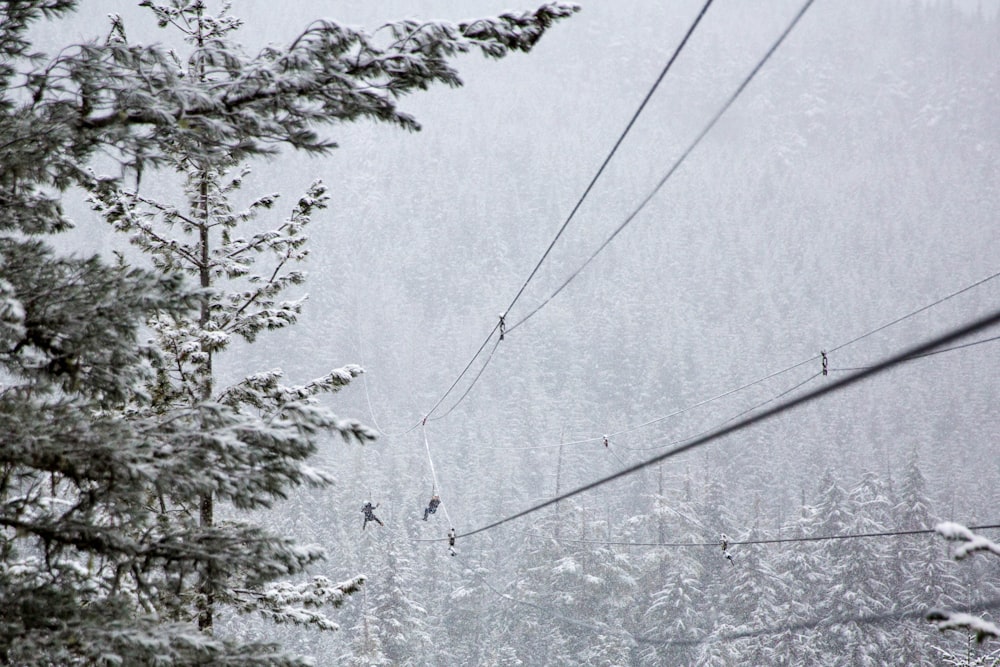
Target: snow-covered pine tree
90,572
205,242
255,434
73,528
922,576
822,568
400,622
675,580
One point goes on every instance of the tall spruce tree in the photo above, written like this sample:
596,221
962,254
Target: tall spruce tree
258,432
106,444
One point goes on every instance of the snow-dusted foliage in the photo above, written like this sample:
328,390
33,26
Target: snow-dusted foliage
250,439
970,542
968,659
289,602
114,450
952,620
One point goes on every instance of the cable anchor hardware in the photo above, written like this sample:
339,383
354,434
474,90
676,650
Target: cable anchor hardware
826,363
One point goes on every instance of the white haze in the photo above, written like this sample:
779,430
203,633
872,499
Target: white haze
856,180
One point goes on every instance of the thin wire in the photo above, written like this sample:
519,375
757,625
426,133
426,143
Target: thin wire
930,354
546,610
689,519
717,397
620,460
565,224
854,536
785,370
471,384
916,312
464,371
656,420
364,383
621,138
597,438
825,621
866,619
785,540
371,412
837,385
677,164
736,416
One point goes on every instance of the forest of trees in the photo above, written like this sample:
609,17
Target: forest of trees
182,473
857,183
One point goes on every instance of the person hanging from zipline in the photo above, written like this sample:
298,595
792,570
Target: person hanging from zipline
369,511
451,541
724,542
432,506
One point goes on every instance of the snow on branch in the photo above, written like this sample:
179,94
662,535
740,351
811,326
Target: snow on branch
952,620
298,603
515,32
329,74
264,390
971,543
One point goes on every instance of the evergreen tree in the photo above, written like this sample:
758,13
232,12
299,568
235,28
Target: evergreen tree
676,581
257,432
400,622
824,567
869,572
922,577
112,457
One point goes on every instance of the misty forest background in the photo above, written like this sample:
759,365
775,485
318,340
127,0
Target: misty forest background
855,181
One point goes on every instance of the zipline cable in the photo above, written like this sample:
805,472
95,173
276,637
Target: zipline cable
364,383
471,384
676,165
956,334
593,181
734,417
716,397
916,312
675,413
929,354
621,138
824,621
546,610
865,619
768,541
465,370
371,412
787,369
